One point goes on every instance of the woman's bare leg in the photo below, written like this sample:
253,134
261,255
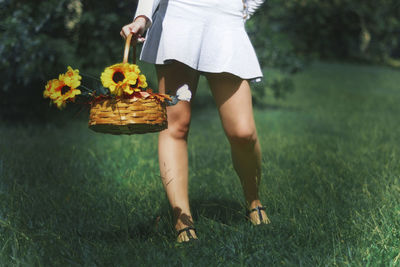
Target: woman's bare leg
233,98
172,143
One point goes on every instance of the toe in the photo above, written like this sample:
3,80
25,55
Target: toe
183,237
255,218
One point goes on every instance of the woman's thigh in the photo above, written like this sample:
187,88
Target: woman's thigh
170,78
232,96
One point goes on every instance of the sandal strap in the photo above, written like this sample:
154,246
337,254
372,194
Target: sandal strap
187,231
258,208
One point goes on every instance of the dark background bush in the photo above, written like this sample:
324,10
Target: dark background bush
40,38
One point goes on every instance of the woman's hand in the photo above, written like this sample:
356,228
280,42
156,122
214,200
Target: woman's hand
137,27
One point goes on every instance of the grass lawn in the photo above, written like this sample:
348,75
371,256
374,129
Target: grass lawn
331,184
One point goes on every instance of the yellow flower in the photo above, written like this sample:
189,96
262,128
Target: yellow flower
120,78
63,93
50,91
64,88
140,83
71,78
68,92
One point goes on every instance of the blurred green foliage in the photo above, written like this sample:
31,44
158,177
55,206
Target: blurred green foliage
330,28
288,34
38,39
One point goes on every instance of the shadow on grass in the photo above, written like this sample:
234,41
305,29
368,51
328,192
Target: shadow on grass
221,210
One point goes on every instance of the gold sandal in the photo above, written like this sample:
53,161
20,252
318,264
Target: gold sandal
189,234
258,209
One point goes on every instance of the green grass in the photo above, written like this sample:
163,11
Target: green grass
331,184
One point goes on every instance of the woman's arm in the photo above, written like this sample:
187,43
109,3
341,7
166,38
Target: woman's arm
145,8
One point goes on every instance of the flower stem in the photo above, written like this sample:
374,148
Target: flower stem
90,76
86,88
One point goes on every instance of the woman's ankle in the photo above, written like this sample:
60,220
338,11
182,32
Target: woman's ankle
182,219
180,224
251,204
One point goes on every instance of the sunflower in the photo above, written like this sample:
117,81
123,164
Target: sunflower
120,78
62,93
53,91
64,88
71,77
68,90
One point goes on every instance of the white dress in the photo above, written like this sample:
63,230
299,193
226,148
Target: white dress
207,35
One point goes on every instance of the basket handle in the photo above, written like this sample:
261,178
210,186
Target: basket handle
128,43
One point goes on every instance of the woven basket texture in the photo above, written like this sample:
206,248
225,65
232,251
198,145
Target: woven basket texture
128,116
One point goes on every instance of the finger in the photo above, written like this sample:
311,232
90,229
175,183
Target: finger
126,31
141,39
134,29
137,29
122,34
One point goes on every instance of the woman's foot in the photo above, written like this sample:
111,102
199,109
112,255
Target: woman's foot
256,214
186,234
184,227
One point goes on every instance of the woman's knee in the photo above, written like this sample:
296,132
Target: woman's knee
242,136
178,124
179,130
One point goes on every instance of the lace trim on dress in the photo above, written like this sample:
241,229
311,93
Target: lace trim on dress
250,6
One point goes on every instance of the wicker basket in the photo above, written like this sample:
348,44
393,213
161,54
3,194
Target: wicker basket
128,116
